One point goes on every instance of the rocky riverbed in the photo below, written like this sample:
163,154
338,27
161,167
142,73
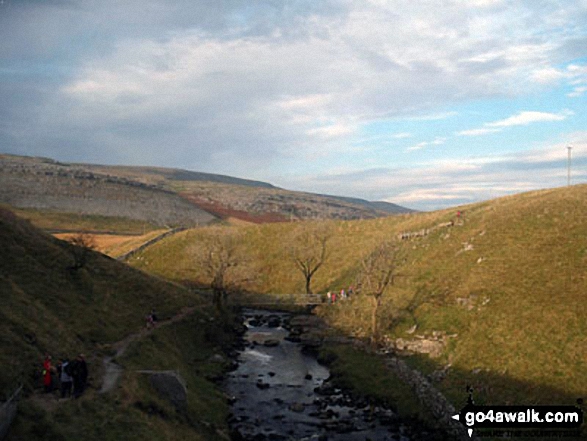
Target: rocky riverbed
280,392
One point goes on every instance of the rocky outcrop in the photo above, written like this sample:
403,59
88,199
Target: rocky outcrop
169,385
431,398
432,344
72,189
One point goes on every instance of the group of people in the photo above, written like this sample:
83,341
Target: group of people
71,375
333,296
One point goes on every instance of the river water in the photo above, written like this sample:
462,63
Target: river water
282,393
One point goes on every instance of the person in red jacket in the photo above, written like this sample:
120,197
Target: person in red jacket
47,381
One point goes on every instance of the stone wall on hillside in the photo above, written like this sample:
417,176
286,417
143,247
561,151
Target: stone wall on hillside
51,186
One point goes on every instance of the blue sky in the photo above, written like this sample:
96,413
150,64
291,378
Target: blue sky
427,104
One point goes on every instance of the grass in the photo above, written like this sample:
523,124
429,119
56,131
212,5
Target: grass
48,308
59,221
115,245
366,375
134,411
519,262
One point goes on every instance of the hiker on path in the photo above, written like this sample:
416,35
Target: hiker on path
151,319
80,375
329,297
342,294
47,381
65,377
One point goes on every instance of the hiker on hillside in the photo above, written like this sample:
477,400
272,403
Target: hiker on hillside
329,297
65,377
79,375
342,294
47,382
151,319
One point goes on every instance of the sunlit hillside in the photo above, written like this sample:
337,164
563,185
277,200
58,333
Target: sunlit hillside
507,276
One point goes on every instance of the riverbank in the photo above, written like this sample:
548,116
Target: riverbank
380,378
281,390
168,389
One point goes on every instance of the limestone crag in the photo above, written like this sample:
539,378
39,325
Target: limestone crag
72,189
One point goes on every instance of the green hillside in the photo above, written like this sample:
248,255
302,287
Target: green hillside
508,278
49,308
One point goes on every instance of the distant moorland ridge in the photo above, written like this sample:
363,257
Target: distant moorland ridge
48,185
166,197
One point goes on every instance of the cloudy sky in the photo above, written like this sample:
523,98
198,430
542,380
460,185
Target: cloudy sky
425,103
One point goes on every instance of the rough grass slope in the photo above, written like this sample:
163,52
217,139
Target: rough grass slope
508,278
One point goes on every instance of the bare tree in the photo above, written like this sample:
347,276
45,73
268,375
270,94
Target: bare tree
309,250
378,273
83,243
218,257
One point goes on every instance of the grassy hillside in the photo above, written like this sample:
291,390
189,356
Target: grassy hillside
56,221
49,308
508,278
115,245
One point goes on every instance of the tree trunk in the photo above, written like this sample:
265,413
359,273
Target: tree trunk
308,281
375,321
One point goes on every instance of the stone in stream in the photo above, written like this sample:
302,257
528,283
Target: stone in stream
293,339
297,407
271,343
262,385
274,322
217,358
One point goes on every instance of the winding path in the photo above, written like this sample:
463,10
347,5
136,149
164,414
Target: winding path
112,370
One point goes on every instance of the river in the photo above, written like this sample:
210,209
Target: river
282,393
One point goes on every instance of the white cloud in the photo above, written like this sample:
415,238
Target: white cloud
548,75
402,135
332,130
436,141
477,132
446,183
528,117
521,119
235,88
418,146
577,91
434,116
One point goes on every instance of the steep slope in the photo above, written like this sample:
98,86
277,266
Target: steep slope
506,278
160,196
160,175
47,185
49,308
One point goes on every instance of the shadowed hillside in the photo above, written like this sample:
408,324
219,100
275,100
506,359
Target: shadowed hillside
501,288
48,307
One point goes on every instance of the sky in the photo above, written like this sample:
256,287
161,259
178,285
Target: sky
425,103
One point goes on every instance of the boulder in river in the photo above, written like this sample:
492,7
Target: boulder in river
297,407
